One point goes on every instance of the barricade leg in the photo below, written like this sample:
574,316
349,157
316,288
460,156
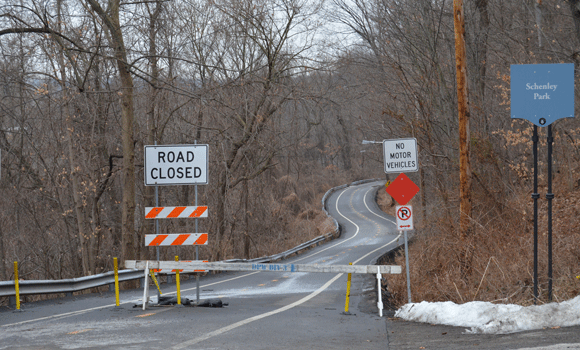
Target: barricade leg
346,302
146,287
380,302
156,283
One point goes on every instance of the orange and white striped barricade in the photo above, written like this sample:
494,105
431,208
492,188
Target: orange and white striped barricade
173,239
176,212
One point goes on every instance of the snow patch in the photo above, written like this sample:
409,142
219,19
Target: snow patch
488,318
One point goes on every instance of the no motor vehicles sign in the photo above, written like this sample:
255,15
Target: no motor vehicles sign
176,165
400,155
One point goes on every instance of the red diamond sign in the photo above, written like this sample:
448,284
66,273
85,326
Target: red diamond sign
402,189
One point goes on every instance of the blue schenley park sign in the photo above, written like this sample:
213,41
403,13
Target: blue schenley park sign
542,93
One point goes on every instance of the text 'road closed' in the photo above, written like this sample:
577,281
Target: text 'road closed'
176,165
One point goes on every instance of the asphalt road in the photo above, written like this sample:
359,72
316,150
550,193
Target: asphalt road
266,310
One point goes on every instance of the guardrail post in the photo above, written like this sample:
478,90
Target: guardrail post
16,285
116,269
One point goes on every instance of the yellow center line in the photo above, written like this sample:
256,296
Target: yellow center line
153,313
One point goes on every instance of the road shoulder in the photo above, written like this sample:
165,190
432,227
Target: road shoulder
403,335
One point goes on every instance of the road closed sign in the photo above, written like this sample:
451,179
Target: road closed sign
400,155
404,217
176,165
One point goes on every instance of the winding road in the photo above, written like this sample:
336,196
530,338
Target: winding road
266,310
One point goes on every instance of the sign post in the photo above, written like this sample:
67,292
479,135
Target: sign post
402,189
405,223
401,156
542,94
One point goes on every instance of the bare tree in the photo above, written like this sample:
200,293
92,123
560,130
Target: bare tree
110,19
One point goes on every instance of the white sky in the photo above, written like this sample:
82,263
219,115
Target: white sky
484,317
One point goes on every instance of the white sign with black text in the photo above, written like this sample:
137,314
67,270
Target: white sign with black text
400,155
176,165
404,217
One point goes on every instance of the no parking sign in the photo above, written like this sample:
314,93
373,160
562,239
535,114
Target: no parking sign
404,217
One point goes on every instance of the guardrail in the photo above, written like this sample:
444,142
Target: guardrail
68,286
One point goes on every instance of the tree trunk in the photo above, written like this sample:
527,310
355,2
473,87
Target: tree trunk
82,226
220,215
3,274
152,137
482,7
128,211
246,196
111,20
83,230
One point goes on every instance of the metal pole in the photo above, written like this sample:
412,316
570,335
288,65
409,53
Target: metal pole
535,196
549,197
196,250
157,228
407,267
